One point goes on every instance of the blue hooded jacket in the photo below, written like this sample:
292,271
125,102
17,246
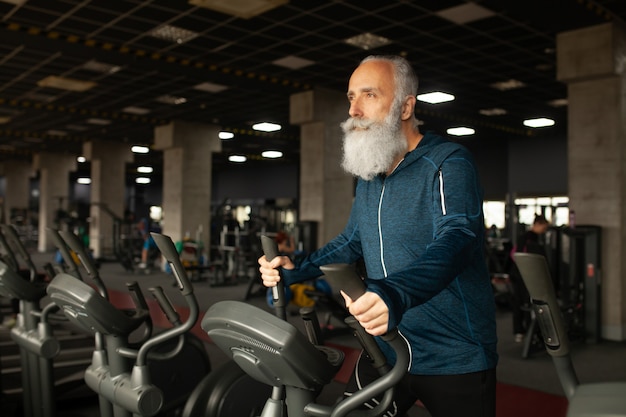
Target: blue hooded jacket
420,231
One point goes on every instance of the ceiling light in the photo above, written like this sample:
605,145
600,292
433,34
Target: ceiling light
99,122
101,67
44,98
539,122
140,111
167,99
266,127
435,97
226,135
81,159
367,41
140,149
466,13
559,102
240,8
461,131
237,158
210,87
32,140
272,154
142,180
83,180
54,132
173,34
508,85
4,119
496,111
292,62
145,170
76,128
63,83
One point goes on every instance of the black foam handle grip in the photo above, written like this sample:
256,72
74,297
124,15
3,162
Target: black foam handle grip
270,250
344,277
165,304
168,250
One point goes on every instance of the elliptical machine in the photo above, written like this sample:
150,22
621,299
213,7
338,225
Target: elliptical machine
126,388
33,332
274,352
152,375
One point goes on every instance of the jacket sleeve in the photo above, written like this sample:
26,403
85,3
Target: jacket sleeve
458,231
345,248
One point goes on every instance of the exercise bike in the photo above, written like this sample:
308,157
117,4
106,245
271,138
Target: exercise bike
274,352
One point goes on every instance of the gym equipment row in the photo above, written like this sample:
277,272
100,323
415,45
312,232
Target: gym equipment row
594,399
43,376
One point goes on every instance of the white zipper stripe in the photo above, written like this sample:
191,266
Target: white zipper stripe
380,232
441,194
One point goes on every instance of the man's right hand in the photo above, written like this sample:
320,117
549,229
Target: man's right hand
269,270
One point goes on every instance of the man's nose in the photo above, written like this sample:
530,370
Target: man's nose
355,109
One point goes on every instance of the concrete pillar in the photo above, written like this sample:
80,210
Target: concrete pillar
187,164
326,190
17,176
591,61
54,169
108,186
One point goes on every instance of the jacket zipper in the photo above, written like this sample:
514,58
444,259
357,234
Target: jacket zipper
441,194
380,232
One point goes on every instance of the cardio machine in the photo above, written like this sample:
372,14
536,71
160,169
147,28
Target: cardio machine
127,388
34,333
274,352
601,399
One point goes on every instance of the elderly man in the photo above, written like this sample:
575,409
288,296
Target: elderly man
417,223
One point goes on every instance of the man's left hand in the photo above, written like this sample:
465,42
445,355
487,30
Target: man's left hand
370,311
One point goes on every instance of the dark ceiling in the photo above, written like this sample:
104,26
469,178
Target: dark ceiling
110,43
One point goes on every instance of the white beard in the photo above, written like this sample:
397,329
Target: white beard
373,148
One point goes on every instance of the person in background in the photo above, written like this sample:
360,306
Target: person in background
145,226
417,222
285,242
529,242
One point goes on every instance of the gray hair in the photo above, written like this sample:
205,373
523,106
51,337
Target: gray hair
405,78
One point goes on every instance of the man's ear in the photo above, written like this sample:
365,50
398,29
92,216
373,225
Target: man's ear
408,107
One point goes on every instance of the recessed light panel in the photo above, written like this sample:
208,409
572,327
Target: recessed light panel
368,41
508,85
465,13
140,111
435,97
173,34
237,158
100,67
272,154
99,122
266,127
140,149
239,8
539,122
167,99
210,87
64,83
293,62
461,131
496,111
